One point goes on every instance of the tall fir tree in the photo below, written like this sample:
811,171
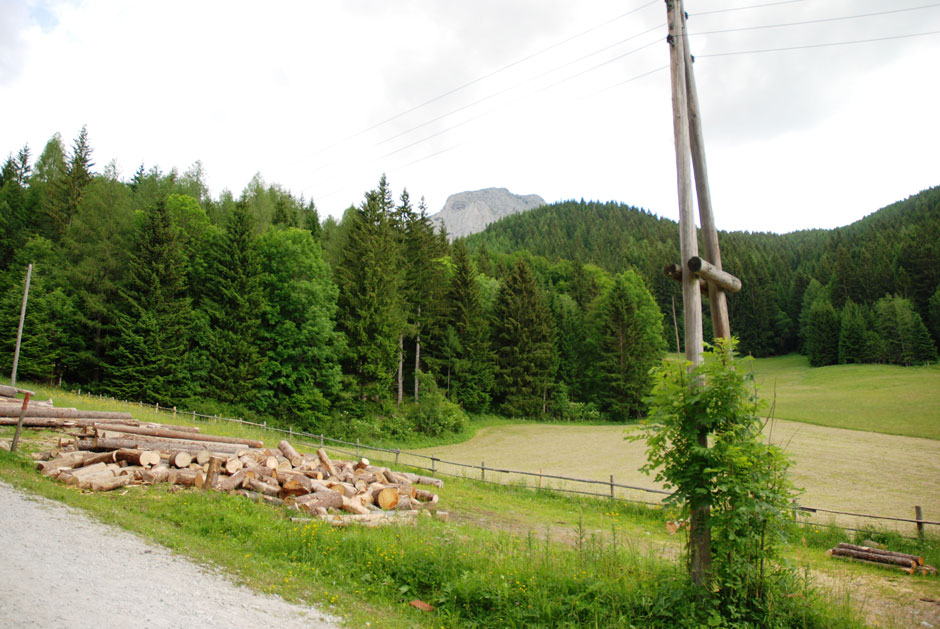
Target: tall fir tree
524,344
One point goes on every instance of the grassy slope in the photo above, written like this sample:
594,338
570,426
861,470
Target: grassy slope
879,398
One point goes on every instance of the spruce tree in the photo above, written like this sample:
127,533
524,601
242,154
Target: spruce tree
630,343
822,333
154,323
852,334
370,307
525,345
233,303
466,346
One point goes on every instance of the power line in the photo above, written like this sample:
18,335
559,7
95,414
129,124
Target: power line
754,6
490,74
818,21
807,46
535,78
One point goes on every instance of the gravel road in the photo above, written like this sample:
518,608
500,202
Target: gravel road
58,568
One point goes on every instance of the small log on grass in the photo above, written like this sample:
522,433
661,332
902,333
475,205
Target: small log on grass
66,460
100,444
873,557
881,551
158,474
234,481
292,487
13,410
261,487
353,505
187,478
107,484
323,499
386,498
202,457
424,480
212,474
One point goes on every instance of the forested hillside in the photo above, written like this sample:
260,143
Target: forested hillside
147,288
867,292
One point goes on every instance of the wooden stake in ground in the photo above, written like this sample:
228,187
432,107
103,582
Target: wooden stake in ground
19,423
19,333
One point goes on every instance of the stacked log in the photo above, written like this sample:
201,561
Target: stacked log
904,562
105,455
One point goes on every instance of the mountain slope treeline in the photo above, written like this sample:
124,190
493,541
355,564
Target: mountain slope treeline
890,257
150,289
377,325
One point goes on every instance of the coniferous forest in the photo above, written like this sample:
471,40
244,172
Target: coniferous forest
149,289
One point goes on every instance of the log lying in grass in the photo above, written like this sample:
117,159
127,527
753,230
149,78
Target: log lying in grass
880,551
149,443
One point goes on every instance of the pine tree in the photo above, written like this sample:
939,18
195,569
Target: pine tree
234,302
630,343
524,343
78,175
154,326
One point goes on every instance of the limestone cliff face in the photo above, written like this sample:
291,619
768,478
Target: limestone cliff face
470,212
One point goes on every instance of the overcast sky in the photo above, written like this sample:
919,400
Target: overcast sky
562,98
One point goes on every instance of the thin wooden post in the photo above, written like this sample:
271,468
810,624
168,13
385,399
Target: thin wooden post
19,330
699,535
357,446
919,516
611,486
19,422
434,465
397,452
482,470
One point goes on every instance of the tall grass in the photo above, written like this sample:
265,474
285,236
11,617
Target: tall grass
474,577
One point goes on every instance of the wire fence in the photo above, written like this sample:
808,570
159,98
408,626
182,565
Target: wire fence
538,481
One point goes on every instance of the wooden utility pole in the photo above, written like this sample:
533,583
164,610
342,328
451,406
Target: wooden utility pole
19,331
690,153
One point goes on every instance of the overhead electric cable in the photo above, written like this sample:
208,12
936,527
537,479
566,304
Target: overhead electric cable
806,46
818,21
516,86
490,74
753,6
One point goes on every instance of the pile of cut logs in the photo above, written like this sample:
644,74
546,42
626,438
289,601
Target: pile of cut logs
107,450
911,564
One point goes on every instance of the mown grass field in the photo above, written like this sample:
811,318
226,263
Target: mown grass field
879,398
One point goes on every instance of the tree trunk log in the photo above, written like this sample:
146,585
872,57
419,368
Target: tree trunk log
144,458
158,474
140,442
9,410
107,484
292,455
179,434
212,474
326,462
874,557
424,480
262,487
386,498
878,551
180,459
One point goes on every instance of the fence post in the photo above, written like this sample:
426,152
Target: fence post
434,465
157,407
919,516
482,470
321,440
357,446
174,412
611,485
290,432
397,452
